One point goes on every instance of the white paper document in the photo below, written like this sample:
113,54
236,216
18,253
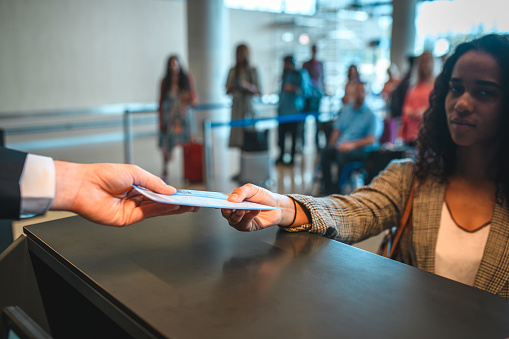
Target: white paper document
201,199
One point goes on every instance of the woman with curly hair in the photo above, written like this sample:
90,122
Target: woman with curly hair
460,209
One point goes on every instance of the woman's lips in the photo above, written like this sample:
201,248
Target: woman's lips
461,124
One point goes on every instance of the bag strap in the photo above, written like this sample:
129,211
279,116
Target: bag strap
406,219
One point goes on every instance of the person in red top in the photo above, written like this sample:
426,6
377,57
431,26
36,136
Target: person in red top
417,99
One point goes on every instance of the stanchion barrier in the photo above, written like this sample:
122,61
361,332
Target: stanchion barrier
128,138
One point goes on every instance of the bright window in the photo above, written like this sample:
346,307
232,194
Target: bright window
305,7
458,19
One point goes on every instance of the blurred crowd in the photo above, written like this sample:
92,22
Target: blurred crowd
351,133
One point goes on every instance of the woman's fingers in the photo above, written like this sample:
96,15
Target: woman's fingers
236,217
226,212
242,193
244,220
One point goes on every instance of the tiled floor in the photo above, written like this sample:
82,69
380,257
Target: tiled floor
226,162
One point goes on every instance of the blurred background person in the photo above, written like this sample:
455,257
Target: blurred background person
353,78
314,67
177,95
242,83
355,132
390,124
398,95
294,86
417,99
391,83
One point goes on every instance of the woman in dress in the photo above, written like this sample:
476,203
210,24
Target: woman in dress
460,209
177,95
242,84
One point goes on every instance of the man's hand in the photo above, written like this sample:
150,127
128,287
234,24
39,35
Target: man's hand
346,146
103,193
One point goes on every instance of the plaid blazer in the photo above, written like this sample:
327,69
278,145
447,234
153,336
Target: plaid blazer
379,206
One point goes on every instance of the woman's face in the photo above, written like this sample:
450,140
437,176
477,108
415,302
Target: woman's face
241,55
425,65
474,100
353,73
174,65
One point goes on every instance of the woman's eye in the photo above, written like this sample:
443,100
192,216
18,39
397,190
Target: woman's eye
484,92
455,89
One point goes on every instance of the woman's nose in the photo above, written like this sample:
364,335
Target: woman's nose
465,104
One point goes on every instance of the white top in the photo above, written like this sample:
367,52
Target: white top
37,185
459,252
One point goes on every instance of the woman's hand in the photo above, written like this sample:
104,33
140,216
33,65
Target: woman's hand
249,87
103,193
252,220
290,88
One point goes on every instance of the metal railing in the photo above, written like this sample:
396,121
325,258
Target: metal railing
24,120
124,116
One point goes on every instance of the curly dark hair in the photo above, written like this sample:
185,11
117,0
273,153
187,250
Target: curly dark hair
435,147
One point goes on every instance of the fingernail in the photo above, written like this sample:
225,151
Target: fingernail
234,197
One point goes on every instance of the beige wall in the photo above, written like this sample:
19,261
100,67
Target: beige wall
256,29
69,54
59,54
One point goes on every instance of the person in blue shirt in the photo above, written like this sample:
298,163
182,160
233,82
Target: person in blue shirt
294,88
355,133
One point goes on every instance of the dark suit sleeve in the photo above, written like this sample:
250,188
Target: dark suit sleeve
11,166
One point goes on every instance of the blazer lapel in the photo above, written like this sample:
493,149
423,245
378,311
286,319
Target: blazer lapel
427,210
493,272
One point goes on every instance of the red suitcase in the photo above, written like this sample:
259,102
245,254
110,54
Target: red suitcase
193,162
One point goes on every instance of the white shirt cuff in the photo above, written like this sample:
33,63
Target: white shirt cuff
37,185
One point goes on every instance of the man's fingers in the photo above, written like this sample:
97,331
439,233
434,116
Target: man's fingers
154,209
145,179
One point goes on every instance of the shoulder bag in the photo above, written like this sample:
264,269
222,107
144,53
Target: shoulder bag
390,245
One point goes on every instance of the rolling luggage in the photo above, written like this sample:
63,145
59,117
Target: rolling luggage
255,161
193,162
255,141
255,167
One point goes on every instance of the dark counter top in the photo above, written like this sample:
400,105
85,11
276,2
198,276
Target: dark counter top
193,276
